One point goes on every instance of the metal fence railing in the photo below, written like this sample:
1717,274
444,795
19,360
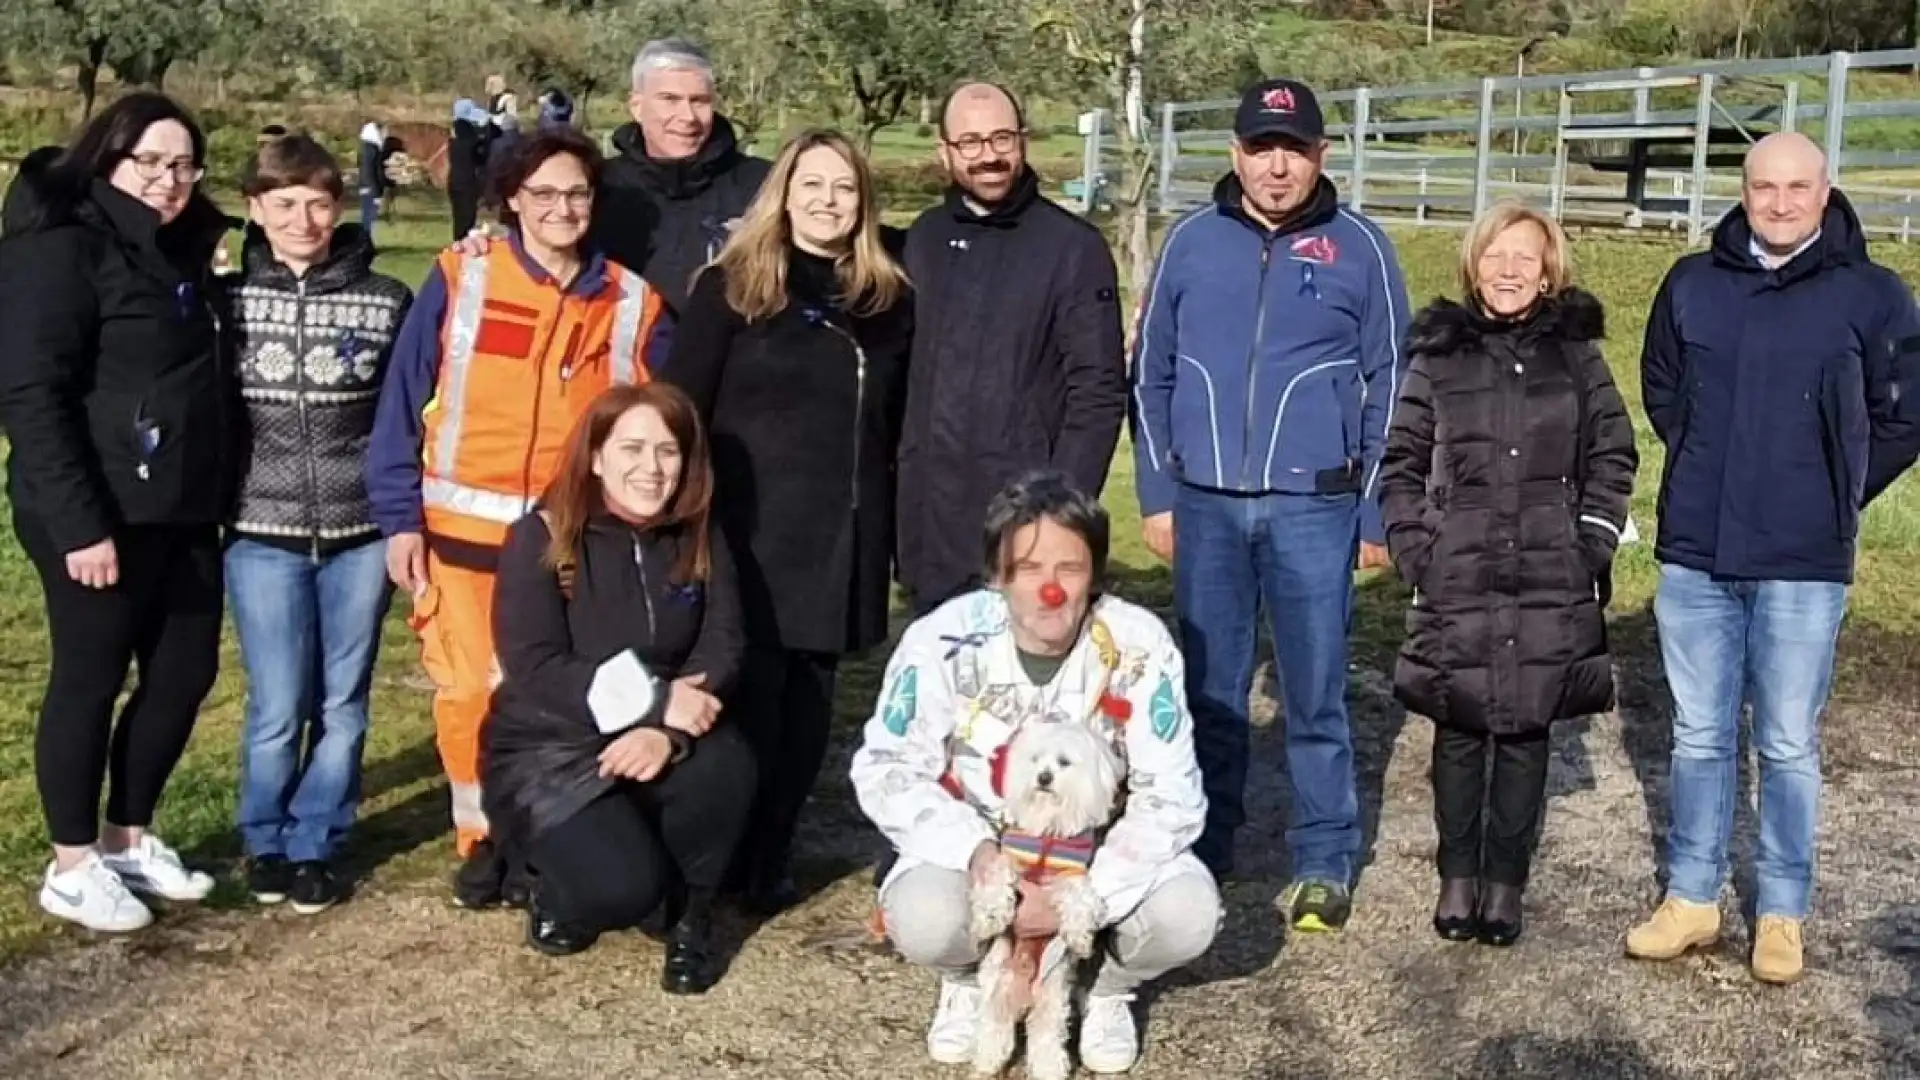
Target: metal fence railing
1651,148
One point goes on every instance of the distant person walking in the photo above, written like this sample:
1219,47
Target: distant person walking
1018,362
306,568
1269,360
1505,486
373,175
466,166
115,397
1782,371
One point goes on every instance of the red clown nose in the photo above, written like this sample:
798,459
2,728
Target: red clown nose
1052,594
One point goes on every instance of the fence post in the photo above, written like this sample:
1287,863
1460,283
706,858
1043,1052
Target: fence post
1702,142
1790,109
1837,66
1481,146
1169,156
1420,208
1642,104
1090,162
1357,178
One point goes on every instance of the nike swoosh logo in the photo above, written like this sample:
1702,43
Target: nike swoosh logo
77,899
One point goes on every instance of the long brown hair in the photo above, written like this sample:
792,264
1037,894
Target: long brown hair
575,493
755,256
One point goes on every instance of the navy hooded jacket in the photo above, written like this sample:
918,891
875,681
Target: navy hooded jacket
1785,398
1269,361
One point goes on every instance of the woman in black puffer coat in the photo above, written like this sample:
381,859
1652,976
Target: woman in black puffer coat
118,401
1508,470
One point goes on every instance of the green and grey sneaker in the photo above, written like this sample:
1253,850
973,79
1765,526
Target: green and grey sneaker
1316,907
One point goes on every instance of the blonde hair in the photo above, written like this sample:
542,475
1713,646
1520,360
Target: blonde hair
754,259
1556,261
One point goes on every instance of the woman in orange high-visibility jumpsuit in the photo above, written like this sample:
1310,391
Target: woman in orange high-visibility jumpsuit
499,356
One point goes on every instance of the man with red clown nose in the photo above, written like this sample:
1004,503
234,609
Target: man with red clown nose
1039,643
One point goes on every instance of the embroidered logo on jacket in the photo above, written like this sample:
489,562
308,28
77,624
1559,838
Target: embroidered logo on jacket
1319,249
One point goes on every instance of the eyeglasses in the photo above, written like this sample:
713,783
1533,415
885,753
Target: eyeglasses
151,167
971,146
546,198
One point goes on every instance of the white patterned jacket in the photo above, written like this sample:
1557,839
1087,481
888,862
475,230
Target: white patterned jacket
955,693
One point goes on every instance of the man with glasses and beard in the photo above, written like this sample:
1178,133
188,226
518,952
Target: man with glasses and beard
1018,361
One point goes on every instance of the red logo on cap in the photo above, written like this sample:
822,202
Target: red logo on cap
1279,99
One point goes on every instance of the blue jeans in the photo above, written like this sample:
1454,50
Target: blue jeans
1294,554
1770,642
369,211
309,634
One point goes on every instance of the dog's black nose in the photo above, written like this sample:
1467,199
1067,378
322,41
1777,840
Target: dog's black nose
1045,779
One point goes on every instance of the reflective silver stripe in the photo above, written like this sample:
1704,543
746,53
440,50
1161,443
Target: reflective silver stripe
626,327
440,493
463,329
467,813
1594,519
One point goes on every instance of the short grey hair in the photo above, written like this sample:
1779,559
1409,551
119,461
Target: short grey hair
1049,494
671,54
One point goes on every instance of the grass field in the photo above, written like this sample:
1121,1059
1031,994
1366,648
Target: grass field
403,840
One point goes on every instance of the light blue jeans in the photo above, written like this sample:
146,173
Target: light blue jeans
309,635
1770,643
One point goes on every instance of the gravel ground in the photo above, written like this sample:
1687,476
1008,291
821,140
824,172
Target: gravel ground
398,984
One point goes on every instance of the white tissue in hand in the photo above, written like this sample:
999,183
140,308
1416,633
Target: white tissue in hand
622,693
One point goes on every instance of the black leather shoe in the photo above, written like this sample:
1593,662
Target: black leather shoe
690,966
1501,920
548,935
1453,916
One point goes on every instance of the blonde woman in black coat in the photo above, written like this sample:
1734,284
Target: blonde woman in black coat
1509,466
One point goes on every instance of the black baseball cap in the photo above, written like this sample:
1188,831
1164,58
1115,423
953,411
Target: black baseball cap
1279,108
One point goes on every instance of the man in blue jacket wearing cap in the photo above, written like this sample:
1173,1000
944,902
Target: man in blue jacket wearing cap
1269,359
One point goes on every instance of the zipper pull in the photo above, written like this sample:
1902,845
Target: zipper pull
143,472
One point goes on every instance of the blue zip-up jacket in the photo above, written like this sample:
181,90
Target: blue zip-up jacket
1787,399
399,424
1269,361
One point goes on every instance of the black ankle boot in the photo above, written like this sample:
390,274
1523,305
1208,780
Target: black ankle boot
1453,916
548,935
690,966
1500,915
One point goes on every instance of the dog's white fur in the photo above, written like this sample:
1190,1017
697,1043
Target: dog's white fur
1062,779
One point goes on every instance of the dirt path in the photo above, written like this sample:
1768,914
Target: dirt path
397,984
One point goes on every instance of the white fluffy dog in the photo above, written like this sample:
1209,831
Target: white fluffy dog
1062,783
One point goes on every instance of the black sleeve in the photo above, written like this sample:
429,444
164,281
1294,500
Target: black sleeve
530,633
1611,461
1088,337
1661,362
722,643
1892,377
48,340
1404,506
702,337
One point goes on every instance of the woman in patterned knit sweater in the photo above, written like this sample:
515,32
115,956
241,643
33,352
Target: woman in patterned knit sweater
306,566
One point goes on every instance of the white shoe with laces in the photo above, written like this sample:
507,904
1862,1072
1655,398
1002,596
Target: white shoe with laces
152,868
1109,1041
956,1024
92,895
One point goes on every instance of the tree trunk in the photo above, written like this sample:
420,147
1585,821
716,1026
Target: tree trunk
89,76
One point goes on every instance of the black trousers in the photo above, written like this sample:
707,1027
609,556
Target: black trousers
612,865
163,618
784,706
1509,803
466,211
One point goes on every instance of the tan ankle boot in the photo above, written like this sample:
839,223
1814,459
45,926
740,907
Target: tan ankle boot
1677,926
1777,951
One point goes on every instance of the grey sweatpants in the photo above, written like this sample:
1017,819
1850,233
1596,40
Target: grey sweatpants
926,914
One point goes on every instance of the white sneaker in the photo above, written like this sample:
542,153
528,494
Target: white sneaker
152,868
1109,1042
956,1024
92,895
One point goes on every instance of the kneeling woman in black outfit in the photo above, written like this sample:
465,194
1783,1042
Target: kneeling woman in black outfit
1504,489
607,767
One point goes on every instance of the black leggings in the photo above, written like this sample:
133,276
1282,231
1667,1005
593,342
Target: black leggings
164,618
611,865
466,212
784,705
1513,800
